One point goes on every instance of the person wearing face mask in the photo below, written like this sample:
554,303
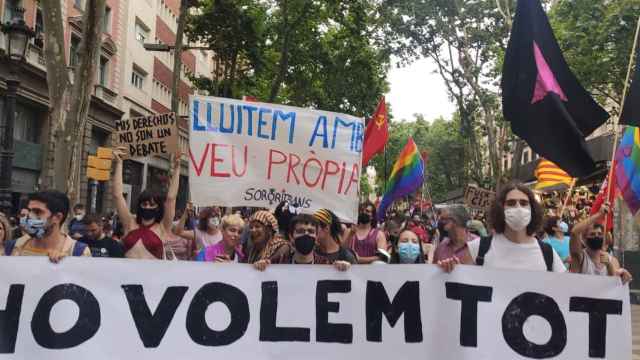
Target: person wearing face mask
302,235
329,249
556,231
77,228
207,231
515,215
266,245
48,210
593,259
366,239
147,231
408,249
392,232
230,248
455,221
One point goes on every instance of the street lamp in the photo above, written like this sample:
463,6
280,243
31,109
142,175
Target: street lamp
17,35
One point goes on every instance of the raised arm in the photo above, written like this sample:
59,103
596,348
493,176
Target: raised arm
575,244
172,194
118,189
180,230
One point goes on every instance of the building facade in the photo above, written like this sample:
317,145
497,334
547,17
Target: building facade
130,82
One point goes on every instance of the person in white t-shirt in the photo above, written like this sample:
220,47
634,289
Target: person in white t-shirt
515,216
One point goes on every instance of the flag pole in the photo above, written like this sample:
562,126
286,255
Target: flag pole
616,133
566,200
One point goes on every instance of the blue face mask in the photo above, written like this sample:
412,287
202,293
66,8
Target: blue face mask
34,227
408,252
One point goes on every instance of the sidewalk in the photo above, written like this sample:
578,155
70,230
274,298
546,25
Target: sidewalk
635,331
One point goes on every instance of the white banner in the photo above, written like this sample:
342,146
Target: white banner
257,154
124,309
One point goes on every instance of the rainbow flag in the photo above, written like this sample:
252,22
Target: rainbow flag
628,168
406,177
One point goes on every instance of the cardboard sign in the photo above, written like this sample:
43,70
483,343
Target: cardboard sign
72,310
255,154
477,198
148,135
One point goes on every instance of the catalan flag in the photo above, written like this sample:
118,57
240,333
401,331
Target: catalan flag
550,175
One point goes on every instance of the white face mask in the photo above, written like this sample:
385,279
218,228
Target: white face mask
79,216
517,218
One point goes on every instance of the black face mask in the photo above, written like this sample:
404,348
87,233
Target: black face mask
364,218
393,239
149,214
595,243
304,244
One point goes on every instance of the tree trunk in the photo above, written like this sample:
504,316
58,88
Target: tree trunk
84,80
58,86
177,56
517,159
67,124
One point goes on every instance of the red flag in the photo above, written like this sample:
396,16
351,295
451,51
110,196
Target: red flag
597,204
376,134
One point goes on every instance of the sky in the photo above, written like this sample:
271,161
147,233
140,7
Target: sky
417,89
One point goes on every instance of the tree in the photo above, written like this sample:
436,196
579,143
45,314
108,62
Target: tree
69,103
464,39
333,66
596,38
233,29
443,143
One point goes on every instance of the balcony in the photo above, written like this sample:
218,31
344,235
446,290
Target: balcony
106,94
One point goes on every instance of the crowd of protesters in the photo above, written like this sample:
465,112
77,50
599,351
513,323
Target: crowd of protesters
521,230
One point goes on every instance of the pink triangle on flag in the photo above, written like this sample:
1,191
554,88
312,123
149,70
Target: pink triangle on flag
545,82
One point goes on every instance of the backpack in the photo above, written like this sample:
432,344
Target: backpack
485,245
78,247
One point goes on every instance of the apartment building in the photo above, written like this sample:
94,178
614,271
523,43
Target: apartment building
130,82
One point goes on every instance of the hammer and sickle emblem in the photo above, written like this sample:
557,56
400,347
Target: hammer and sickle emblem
380,121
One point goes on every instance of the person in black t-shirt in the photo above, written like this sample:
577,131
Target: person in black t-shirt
329,250
100,244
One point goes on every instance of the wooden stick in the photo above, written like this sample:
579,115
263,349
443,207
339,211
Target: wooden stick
566,200
617,119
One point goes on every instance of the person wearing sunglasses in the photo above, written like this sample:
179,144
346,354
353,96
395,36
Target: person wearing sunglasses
515,216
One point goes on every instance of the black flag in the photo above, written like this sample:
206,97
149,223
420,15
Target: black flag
631,109
542,99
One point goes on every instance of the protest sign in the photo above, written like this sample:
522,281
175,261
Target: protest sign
228,311
477,198
147,135
256,154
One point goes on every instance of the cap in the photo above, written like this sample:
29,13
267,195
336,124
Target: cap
323,216
265,218
477,226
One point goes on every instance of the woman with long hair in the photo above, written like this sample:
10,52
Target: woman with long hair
147,231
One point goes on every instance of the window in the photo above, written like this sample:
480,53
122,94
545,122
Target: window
137,77
106,23
39,20
78,4
73,51
26,124
103,72
142,32
10,7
